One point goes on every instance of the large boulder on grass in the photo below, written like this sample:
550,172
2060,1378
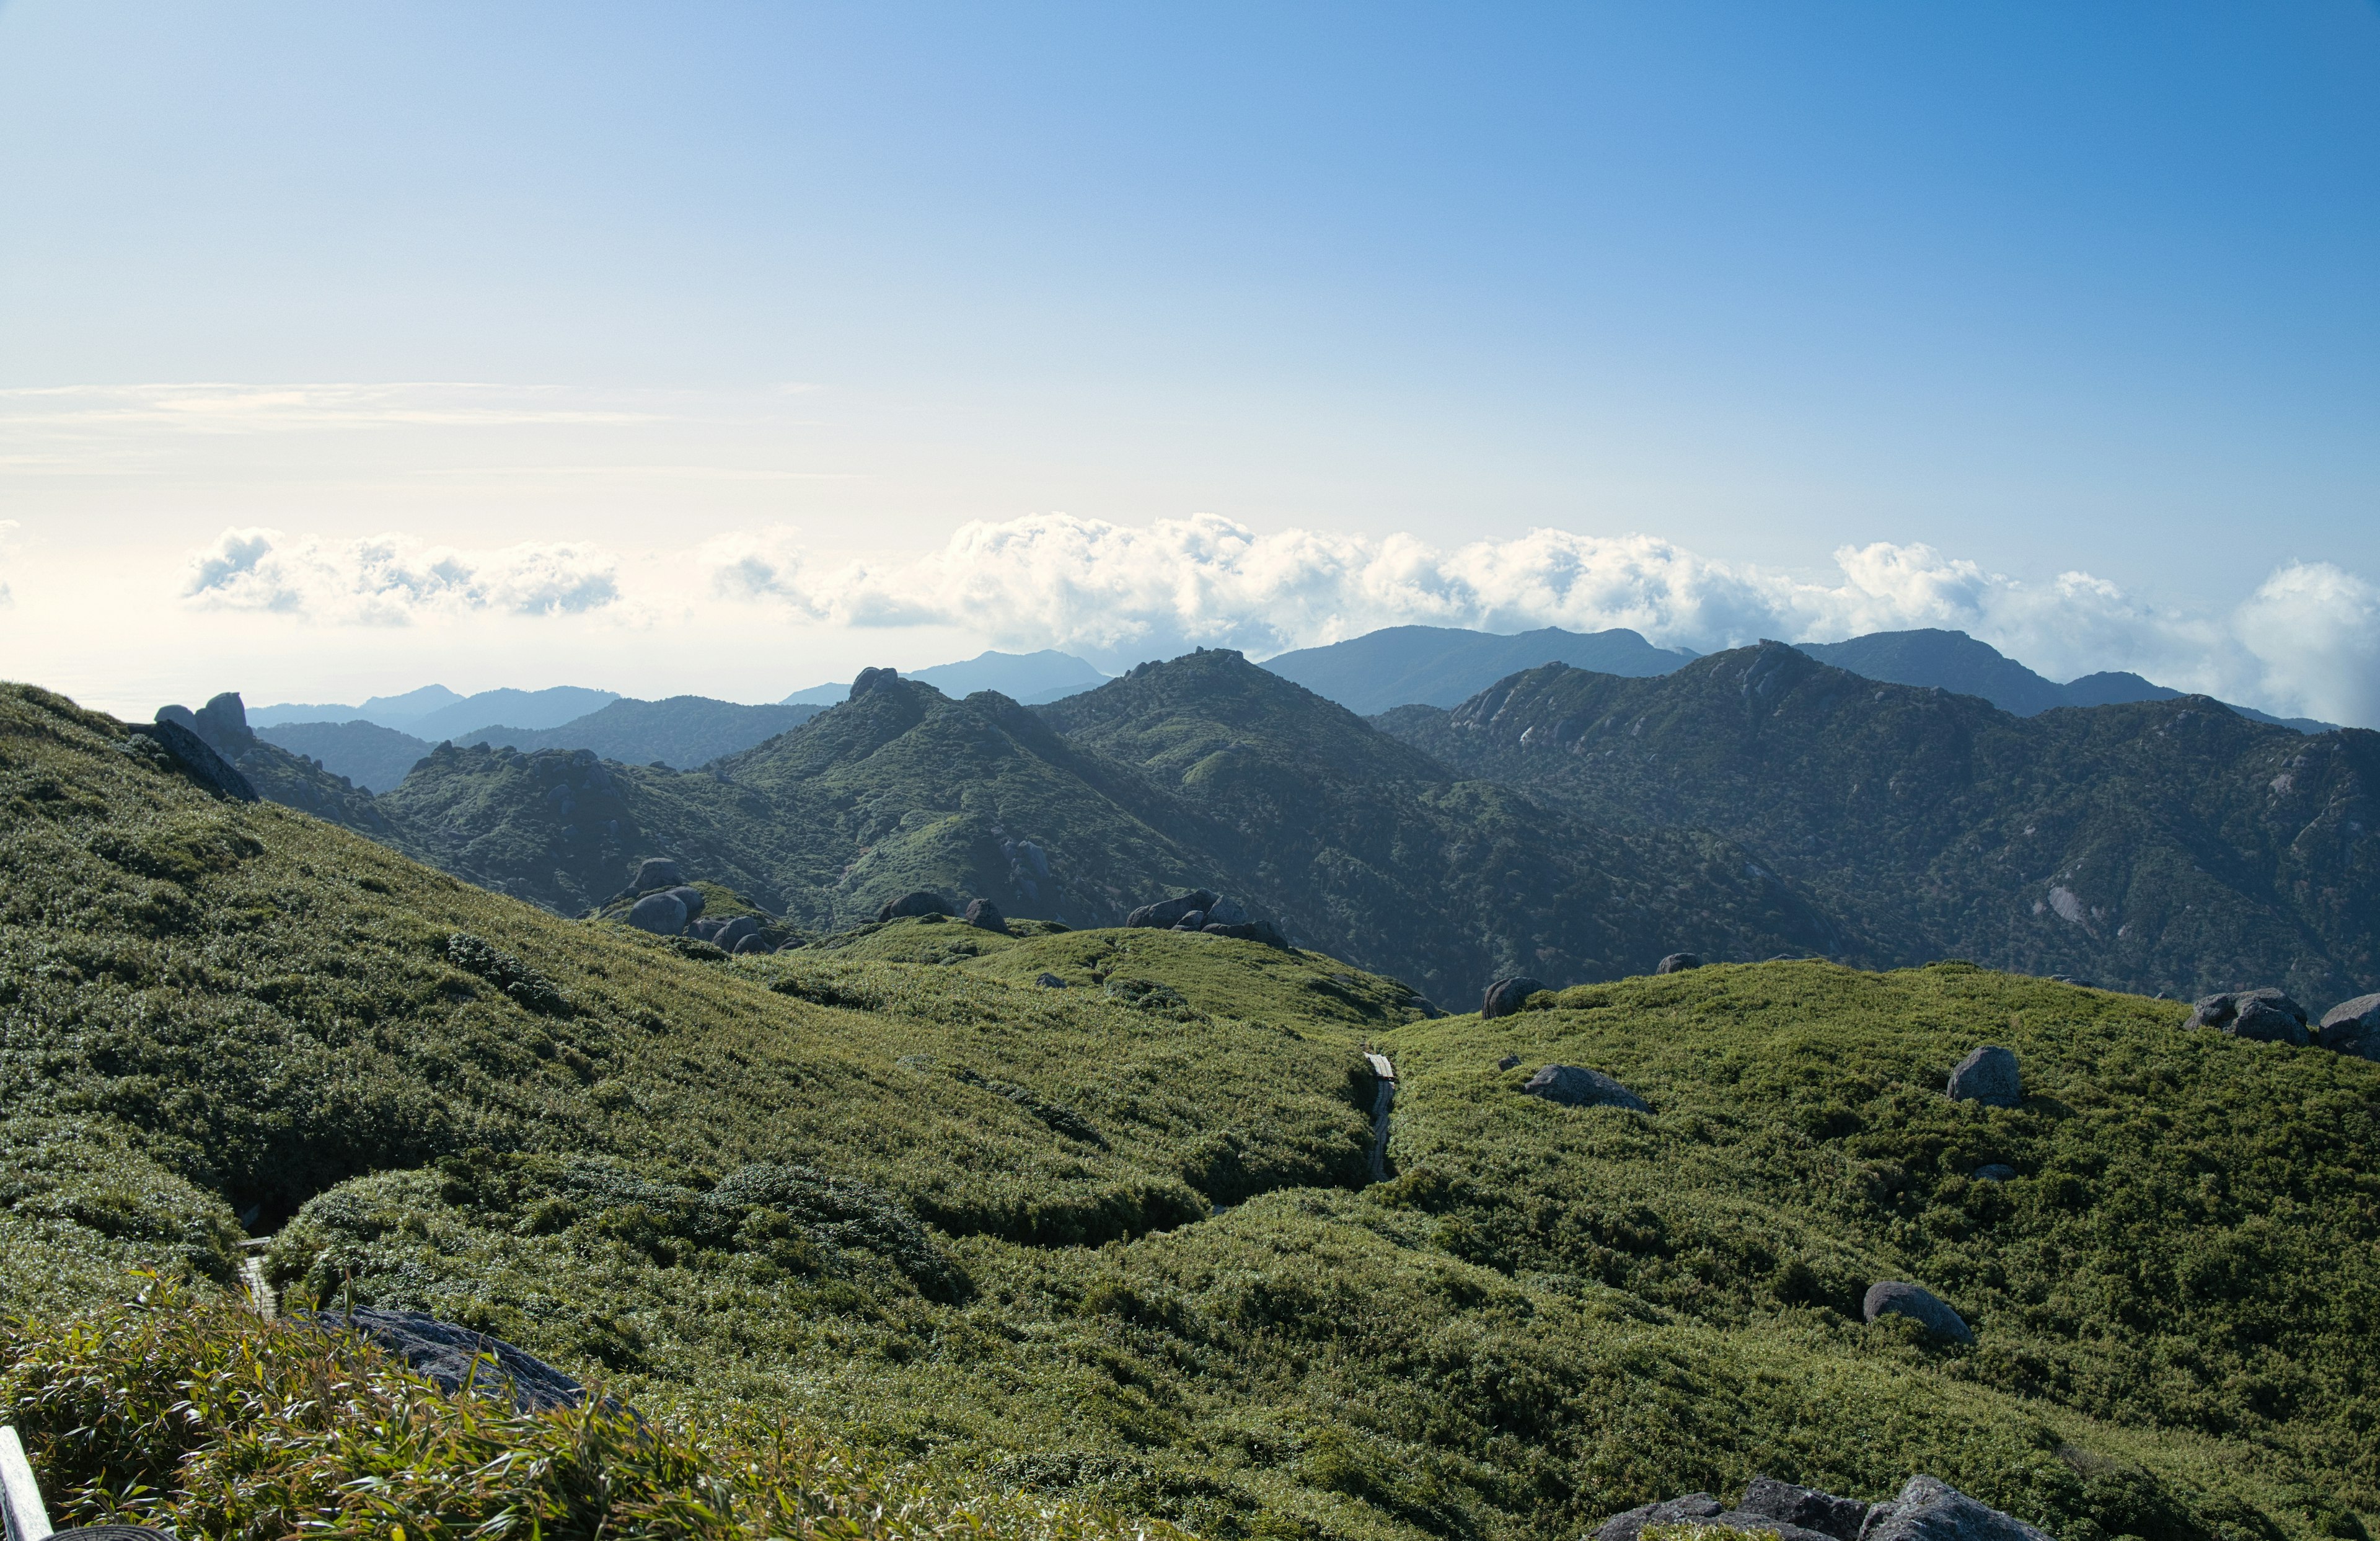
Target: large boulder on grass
1169,913
2353,1027
917,902
658,912
1504,997
2221,1011
656,872
1928,1509
985,914
1987,1076
456,1358
1896,1297
1807,1507
1677,963
1577,1087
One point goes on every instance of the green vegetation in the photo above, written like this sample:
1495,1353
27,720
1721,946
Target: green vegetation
2161,845
197,1418
978,1239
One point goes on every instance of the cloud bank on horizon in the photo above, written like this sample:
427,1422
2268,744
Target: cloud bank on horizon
2306,641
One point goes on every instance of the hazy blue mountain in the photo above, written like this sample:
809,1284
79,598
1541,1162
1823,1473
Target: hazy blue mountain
434,712
1028,679
373,756
1954,661
1445,666
682,731
389,711
518,709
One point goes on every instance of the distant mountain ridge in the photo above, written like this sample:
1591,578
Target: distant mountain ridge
1443,665
1028,679
434,712
1954,661
680,731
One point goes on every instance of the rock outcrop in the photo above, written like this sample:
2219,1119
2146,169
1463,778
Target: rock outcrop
1988,1076
656,872
455,1357
985,914
917,902
1677,963
1249,930
2353,1027
1895,1297
1577,1087
1504,997
2266,1015
660,914
197,759
1169,913
1928,1509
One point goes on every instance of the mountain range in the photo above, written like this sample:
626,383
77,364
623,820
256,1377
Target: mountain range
1565,824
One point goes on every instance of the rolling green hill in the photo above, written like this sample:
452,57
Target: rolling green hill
2167,845
1115,1240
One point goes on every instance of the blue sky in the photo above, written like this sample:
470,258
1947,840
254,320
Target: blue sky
697,339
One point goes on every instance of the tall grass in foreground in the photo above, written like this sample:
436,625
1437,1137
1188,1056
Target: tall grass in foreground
191,1414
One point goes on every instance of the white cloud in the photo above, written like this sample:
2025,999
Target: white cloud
9,528
392,579
2303,644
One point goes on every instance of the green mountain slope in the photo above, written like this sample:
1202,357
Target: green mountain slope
1114,1240
2164,845
373,758
1377,853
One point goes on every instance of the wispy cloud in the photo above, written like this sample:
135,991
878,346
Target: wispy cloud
219,408
395,579
9,528
2306,642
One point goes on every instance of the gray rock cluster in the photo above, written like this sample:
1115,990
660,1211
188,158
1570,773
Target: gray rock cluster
1199,910
1677,963
2268,1015
1504,997
2261,1015
1577,1087
1926,1509
1896,1297
1987,1076
667,905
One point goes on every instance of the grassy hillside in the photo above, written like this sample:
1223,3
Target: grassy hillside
2163,845
1113,1241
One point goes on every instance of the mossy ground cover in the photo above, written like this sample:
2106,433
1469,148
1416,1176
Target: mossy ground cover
1114,1242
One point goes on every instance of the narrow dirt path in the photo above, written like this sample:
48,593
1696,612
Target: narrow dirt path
259,1289
1385,1074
